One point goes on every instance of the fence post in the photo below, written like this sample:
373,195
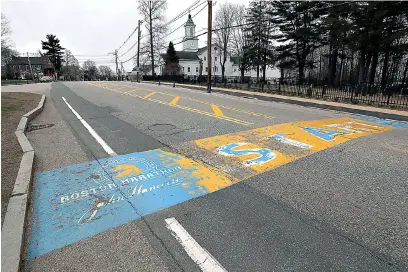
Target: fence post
389,96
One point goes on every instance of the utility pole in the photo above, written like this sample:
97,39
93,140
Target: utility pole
209,45
138,50
116,60
31,68
123,71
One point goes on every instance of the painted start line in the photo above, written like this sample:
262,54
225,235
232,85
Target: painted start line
82,200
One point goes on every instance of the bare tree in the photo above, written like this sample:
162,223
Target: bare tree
71,69
7,46
90,70
153,12
239,38
224,19
105,71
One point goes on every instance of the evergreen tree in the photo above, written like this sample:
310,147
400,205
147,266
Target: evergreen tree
53,50
299,32
259,37
171,61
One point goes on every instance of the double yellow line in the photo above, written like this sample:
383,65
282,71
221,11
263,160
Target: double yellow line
207,103
173,103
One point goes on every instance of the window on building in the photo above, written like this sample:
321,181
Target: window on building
191,32
196,69
215,58
188,69
205,58
206,69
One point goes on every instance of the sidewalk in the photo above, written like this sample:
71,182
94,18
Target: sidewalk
323,104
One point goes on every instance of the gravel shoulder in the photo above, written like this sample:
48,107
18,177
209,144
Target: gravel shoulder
13,107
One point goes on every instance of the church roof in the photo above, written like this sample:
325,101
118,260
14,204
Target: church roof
189,21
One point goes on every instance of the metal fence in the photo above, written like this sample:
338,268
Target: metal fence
393,96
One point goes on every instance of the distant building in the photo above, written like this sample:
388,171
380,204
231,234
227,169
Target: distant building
19,67
193,61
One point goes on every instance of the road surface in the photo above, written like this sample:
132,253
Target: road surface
141,177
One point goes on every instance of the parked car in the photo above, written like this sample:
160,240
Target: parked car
46,79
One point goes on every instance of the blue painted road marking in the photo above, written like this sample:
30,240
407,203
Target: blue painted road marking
82,200
265,155
384,122
281,137
324,134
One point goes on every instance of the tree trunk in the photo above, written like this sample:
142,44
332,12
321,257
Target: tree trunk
367,66
333,64
328,74
282,75
373,69
404,77
351,68
384,71
151,37
360,71
242,74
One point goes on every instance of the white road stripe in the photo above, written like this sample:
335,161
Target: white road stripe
199,255
104,145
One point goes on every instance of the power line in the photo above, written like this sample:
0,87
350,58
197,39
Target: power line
184,12
192,17
128,38
129,49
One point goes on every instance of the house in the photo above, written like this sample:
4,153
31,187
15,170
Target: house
193,61
19,67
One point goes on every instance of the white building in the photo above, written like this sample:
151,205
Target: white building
192,58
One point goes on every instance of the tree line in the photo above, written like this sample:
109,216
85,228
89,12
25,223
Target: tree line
326,42
64,62
319,42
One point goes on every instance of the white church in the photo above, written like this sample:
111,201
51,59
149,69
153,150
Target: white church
191,57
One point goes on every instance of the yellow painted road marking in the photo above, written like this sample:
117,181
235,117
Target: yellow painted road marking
216,110
149,95
233,120
175,100
208,103
282,143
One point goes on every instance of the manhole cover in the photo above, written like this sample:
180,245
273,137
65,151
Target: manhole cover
162,127
38,127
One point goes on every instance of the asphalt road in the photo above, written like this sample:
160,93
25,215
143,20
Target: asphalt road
341,207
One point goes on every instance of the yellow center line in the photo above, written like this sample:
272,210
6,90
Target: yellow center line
208,103
131,91
175,100
149,95
241,122
216,110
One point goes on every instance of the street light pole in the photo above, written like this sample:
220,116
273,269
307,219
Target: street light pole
209,45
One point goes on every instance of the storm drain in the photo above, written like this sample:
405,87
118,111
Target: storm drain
38,127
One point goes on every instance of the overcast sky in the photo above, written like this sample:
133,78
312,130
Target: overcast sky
91,27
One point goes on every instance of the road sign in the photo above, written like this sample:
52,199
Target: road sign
37,70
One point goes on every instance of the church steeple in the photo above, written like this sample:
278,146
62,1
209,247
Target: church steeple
190,42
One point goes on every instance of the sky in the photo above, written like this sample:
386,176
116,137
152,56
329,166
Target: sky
91,29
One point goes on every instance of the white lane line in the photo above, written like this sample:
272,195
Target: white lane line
104,145
199,255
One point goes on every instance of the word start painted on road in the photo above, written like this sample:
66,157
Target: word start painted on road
79,201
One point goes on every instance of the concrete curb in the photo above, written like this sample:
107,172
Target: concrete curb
384,115
13,229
